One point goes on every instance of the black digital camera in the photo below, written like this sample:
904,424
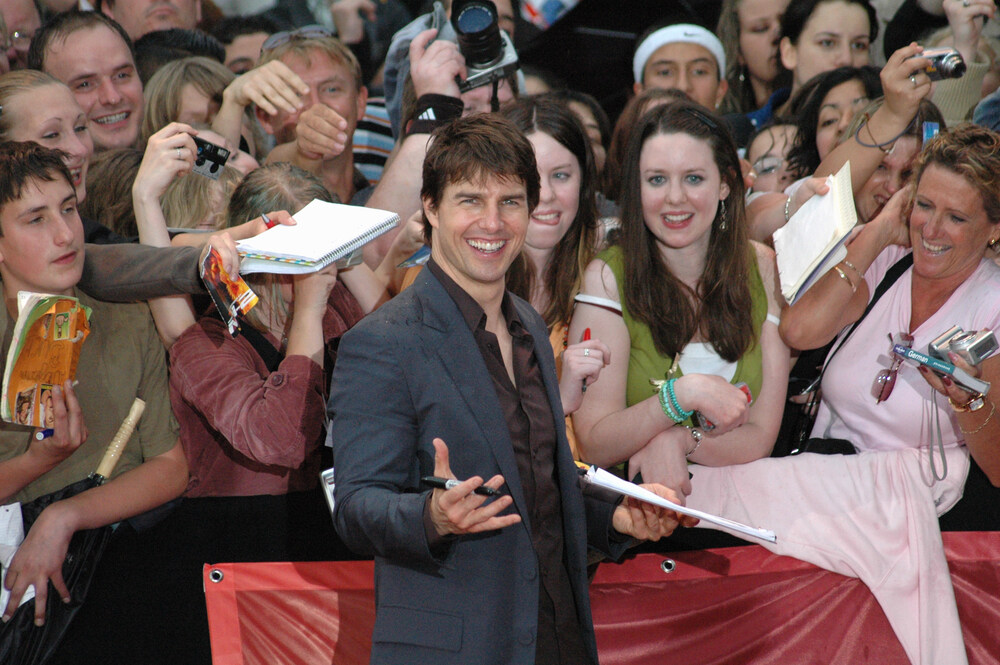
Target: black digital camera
489,54
210,158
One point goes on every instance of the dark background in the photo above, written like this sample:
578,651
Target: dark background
591,47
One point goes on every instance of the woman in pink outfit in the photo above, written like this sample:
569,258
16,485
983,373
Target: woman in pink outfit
874,515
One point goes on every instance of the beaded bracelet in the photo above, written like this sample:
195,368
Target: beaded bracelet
665,404
853,267
673,401
876,144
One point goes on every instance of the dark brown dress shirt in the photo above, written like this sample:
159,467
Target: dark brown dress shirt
532,430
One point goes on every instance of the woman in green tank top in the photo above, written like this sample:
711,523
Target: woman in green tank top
695,294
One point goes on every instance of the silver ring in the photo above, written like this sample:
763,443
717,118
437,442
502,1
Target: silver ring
586,353
913,80
179,150
965,3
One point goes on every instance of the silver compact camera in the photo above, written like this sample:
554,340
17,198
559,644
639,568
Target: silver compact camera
946,63
939,348
973,346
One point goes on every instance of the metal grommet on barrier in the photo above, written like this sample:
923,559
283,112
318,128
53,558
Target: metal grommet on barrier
667,566
215,575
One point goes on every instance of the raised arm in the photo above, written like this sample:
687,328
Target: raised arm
170,154
834,302
904,85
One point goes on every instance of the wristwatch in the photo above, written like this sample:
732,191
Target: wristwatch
975,403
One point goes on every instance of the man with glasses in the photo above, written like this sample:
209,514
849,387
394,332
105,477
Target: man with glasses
22,19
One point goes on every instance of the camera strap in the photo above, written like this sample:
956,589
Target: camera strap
495,98
891,275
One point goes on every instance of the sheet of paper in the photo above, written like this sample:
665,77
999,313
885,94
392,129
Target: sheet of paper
609,481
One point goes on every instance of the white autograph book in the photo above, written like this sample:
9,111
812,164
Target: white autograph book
323,233
813,240
604,479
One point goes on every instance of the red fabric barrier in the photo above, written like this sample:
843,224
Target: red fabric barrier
729,606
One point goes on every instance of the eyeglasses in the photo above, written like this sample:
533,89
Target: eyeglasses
285,36
21,40
885,380
768,165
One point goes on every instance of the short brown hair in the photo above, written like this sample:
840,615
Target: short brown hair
475,148
62,25
24,161
972,152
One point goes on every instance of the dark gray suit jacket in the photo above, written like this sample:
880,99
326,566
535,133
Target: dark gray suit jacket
409,372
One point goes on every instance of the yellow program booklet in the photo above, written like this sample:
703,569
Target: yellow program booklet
44,352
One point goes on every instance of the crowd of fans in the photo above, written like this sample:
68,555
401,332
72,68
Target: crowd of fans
649,256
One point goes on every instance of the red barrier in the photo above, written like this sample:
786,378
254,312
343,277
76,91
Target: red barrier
728,606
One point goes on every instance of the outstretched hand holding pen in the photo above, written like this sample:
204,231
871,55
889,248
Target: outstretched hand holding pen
461,510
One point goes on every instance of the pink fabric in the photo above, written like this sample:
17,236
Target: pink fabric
872,516
904,420
247,431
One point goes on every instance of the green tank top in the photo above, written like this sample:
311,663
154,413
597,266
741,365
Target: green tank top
645,362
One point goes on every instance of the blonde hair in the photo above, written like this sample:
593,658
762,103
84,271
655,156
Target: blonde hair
15,83
275,186
304,48
193,198
163,91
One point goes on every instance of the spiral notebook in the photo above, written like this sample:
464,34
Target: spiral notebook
323,233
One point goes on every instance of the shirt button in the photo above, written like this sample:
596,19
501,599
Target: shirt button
526,637
277,379
530,573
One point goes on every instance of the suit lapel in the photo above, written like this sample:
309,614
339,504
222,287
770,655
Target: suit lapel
446,333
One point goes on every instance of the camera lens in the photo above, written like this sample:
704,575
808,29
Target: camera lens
952,66
478,32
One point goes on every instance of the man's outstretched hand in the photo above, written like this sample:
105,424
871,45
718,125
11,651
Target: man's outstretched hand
460,510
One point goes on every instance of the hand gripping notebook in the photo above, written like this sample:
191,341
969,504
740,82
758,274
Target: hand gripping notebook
813,240
323,233
44,352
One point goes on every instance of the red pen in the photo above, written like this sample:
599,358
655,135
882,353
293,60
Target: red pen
268,222
586,336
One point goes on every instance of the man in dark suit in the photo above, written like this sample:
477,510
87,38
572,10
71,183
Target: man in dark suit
458,359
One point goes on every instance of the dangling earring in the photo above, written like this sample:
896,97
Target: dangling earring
722,215
743,76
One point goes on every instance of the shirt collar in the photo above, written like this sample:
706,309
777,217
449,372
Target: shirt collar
471,311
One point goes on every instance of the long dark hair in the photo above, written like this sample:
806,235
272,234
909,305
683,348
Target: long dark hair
720,306
803,156
570,256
